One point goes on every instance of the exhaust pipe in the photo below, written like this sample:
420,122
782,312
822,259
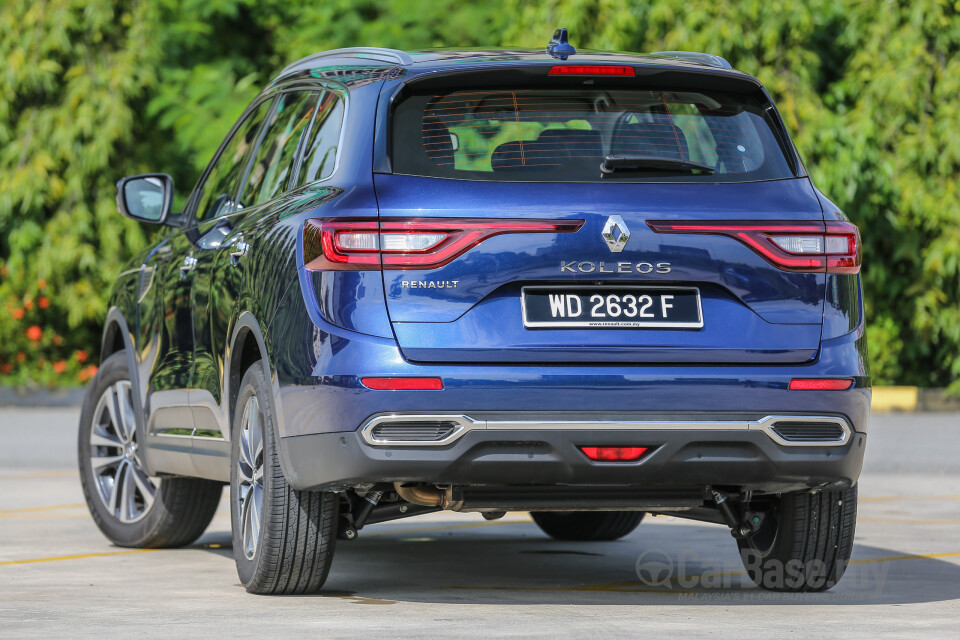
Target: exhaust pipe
421,495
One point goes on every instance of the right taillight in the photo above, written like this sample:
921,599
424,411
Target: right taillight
833,246
407,243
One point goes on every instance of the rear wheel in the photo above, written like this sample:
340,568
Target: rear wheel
131,508
283,539
804,543
587,525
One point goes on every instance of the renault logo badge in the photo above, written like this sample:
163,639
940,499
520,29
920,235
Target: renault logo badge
615,233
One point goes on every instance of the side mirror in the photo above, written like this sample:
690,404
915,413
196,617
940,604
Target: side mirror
147,197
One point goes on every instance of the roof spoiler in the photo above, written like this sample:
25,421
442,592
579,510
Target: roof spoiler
694,56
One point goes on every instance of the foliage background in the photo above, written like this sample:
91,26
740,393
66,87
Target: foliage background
91,90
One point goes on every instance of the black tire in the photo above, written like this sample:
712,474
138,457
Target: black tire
295,538
805,542
587,525
181,509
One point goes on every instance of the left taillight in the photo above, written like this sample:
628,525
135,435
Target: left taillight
407,243
833,246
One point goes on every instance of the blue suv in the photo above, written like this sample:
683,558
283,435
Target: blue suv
585,285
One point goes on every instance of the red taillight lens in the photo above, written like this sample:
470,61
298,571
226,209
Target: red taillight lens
407,243
591,70
820,384
405,384
833,247
614,454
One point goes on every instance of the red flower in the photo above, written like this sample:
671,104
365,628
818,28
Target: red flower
21,356
18,314
41,284
58,340
35,333
6,368
43,302
28,304
81,355
60,366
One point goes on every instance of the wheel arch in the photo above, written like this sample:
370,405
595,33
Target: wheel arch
247,345
117,337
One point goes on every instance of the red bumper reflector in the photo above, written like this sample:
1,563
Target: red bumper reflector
395,384
820,384
614,454
591,70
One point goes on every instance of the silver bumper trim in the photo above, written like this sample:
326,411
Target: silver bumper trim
466,424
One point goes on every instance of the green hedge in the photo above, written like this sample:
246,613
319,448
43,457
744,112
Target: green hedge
93,90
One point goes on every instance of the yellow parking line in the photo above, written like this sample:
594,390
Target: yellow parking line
216,546
37,516
77,557
53,507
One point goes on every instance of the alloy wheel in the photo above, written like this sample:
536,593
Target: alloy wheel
250,477
125,490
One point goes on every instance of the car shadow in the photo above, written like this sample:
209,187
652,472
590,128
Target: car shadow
656,564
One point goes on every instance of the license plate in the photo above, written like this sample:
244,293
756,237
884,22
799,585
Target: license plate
612,307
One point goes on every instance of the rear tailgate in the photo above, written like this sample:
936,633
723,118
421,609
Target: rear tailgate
469,310
590,161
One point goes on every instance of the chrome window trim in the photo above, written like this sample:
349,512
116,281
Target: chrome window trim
465,424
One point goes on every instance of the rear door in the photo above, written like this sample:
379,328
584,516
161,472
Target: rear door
715,289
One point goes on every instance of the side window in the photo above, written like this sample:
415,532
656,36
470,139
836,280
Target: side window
320,153
217,192
273,159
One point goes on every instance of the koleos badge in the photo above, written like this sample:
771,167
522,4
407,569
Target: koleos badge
615,233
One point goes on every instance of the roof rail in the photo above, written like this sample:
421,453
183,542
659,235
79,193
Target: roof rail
393,56
694,56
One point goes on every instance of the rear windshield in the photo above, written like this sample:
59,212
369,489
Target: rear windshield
547,135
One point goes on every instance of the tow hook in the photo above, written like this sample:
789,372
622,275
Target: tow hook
739,527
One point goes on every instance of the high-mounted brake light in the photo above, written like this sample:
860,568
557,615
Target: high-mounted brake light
820,384
591,70
833,246
403,384
614,454
407,243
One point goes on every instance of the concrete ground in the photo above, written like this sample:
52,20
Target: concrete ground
457,575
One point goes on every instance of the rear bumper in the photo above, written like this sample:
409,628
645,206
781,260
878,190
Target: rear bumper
321,422
750,459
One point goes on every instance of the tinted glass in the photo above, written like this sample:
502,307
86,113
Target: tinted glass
220,187
273,159
320,156
564,135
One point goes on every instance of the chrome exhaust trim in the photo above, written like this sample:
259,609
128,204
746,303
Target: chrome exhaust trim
448,428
